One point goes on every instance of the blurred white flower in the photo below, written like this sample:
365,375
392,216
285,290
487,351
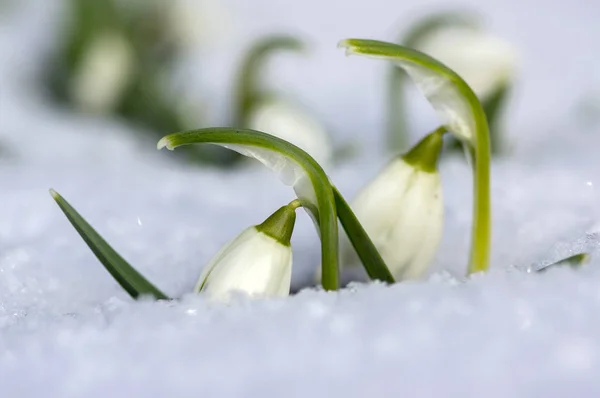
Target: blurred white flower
257,262
197,22
290,122
402,211
103,74
485,62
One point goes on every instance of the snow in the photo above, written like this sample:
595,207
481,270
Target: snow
67,329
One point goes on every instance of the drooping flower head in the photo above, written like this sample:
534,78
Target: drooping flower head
257,262
402,210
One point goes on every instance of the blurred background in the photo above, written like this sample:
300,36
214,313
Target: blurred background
165,66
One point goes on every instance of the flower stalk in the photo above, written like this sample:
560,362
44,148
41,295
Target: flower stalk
463,116
295,167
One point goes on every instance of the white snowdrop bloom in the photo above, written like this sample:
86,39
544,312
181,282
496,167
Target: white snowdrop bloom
193,23
290,122
103,73
402,211
485,62
257,262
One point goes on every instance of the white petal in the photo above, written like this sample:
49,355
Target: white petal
379,202
484,61
253,263
402,211
414,239
288,171
449,103
291,123
103,73
196,22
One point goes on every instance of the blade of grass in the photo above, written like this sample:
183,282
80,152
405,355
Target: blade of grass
364,247
575,261
132,281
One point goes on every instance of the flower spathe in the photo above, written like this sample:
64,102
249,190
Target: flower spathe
486,62
257,262
402,211
292,123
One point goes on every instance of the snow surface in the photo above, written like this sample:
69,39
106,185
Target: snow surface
68,330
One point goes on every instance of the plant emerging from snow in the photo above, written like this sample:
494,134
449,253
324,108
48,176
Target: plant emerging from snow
257,262
398,219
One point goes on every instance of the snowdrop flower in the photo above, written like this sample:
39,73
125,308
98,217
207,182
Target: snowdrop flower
257,262
487,63
193,23
103,74
287,121
402,211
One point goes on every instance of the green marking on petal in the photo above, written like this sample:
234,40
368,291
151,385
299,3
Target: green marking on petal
280,225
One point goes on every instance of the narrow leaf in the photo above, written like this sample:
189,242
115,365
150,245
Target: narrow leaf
294,167
574,261
368,254
129,279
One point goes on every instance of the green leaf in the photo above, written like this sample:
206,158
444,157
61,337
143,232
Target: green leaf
248,92
294,167
129,279
364,247
463,115
574,261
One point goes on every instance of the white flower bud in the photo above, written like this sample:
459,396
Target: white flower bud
103,73
402,211
293,124
486,62
257,262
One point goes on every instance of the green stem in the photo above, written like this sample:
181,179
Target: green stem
482,207
247,89
326,216
397,126
437,81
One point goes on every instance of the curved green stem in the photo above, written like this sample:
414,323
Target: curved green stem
247,89
396,113
325,211
458,105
